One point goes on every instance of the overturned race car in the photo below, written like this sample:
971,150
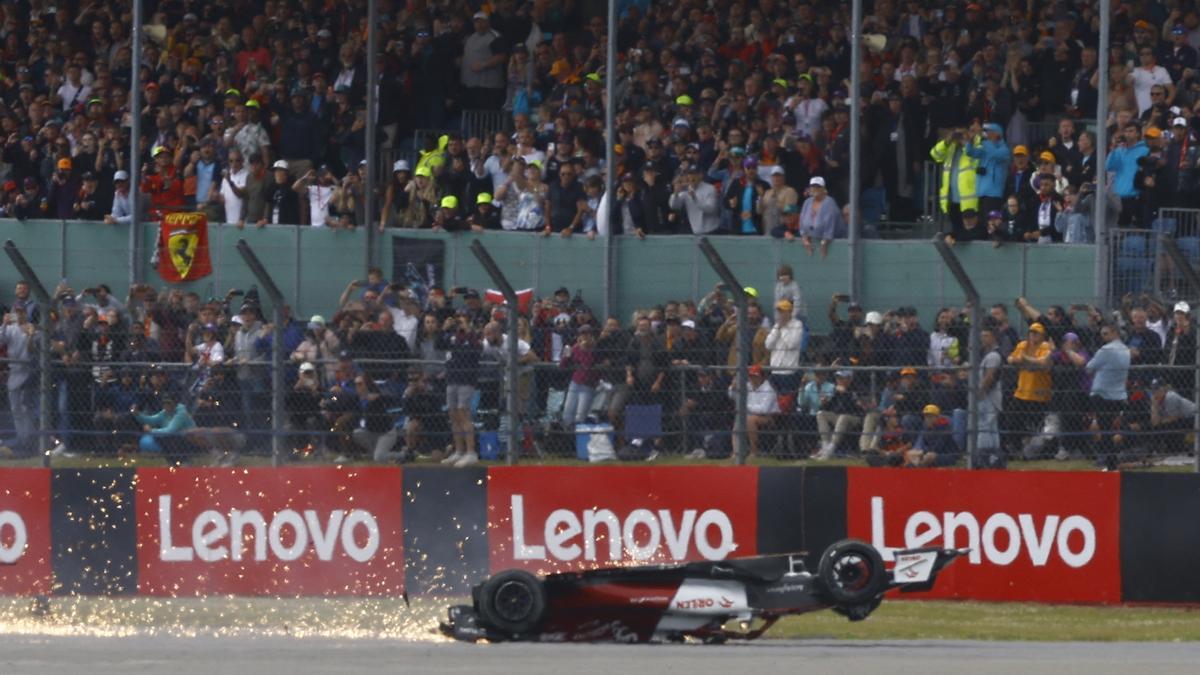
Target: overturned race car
673,603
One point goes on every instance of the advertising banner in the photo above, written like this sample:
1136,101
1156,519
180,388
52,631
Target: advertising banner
1160,537
1034,536
270,531
25,560
554,519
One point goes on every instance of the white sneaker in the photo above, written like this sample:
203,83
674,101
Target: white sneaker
341,459
698,453
61,451
825,452
652,456
453,458
1062,455
467,459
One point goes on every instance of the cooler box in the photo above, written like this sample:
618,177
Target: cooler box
489,445
583,433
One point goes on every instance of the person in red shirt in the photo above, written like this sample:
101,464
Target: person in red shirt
163,185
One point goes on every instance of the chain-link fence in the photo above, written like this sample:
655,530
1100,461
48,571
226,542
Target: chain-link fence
645,396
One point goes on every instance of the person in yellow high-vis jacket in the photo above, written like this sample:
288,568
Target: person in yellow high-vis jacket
957,192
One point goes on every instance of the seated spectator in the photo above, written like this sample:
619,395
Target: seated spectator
163,431
934,444
762,406
378,434
845,411
1171,419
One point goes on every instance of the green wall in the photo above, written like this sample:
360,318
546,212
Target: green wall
312,267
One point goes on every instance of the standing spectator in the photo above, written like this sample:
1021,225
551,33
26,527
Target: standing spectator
1030,401
247,134
281,203
87,202
565,203
786,342
254,204
957,190
163,185
820,218
779,206
991,402
697,199
122,209
462,344
483,66
993,157
17,337
1146,77
232,189
1123,161
1109,368
580,359
1180,349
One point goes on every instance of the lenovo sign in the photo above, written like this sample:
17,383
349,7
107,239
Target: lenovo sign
25,558
1050,537
558,519
293,531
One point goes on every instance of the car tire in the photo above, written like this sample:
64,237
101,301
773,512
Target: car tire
513,601
851,572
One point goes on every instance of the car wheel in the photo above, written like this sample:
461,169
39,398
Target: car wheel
513,601
851,572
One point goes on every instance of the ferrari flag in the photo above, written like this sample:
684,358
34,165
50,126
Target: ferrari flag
183,247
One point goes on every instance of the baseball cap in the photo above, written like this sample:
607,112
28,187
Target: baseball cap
401,165
280,164
64,164
844,373
776,170
1037,328
121,175
483,198
1046,156
931,409
755,370
874,318
908,371
995,214
687,323
1142,24
449,202
1153,132
423,171
324,33
1020,150
993,127
480,15
681,122
750,291
684,99
1179,122
817,180
1070,337
1182,306
1178,29
252,103
785,305
307,367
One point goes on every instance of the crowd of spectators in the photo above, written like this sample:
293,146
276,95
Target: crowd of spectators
731,116
398,372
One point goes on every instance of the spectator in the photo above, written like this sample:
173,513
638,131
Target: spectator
934,445
785,341
163,431
958,189
697,199
1171,418
762,407
281,204
1146,77
1032,396
462,344
122,210
845,411
1109,368
580,359
87,202
566,203
993,157
1123,161
1180,348
820,218
378,434
779,206
483,67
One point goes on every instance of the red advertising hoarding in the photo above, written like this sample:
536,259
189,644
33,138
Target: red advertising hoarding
1034,536
25,557
270,531
555,519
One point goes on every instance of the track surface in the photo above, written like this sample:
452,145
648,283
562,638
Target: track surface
288,656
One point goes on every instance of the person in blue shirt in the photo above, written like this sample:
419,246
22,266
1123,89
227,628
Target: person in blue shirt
1109,369
994,159
164,429
1123,161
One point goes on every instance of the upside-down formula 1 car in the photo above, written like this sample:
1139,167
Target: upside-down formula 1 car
688,601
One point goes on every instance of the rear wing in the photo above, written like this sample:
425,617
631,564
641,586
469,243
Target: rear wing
917,568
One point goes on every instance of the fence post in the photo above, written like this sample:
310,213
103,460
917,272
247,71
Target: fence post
277,302
741,440
960,275
510,296
45,412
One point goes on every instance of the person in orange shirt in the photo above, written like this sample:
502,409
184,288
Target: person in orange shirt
1032,397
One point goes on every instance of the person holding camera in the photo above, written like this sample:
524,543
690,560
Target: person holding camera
1124,162
994,157
959,172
